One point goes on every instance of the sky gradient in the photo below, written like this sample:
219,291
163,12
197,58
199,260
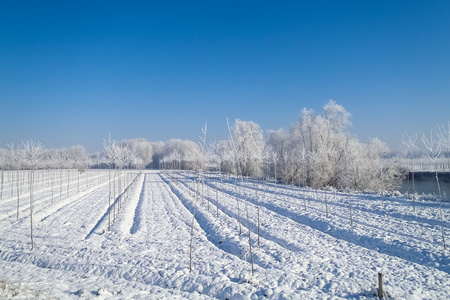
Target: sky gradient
73,71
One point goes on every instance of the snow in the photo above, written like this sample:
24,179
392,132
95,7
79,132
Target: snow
302,253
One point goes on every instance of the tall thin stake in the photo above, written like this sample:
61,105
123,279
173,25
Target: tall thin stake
380,285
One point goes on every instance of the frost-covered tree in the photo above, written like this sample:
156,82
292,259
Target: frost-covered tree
111,158
79,160
208,155
141,151
319,151
213,158
179,154
187,152
16,162
249,146
375,171
332,143
321,142
61,163
176,158
278,142
193,157
273,157
408,149
444,137
433,148
225,156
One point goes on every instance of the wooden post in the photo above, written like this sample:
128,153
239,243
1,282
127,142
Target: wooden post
380,285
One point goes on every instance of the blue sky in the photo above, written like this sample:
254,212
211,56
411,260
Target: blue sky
73,71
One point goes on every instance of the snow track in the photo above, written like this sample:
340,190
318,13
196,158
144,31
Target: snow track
302,254
371,229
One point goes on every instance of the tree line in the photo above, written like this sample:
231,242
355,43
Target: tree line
316,151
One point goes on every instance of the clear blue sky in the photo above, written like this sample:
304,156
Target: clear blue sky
73,71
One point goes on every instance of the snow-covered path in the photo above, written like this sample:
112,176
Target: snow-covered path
302,254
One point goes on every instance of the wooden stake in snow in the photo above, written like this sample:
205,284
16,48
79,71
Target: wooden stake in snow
380,285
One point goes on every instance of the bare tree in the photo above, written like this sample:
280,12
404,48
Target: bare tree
110,156
15,156
32,153
236,159
273,157
60,161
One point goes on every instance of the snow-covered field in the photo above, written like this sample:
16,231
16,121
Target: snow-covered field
301,253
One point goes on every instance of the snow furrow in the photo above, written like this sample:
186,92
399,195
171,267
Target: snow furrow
302,254
339,226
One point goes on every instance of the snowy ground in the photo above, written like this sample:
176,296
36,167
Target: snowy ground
301,253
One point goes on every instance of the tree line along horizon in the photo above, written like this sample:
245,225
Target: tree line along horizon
318,151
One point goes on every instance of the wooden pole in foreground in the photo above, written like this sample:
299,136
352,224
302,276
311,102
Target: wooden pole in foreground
380,285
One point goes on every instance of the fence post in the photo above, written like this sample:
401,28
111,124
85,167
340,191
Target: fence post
380,285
